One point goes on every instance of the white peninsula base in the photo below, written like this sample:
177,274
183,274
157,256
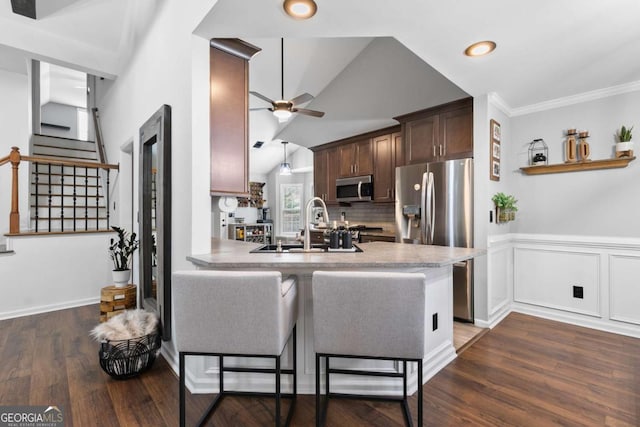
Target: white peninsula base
434,262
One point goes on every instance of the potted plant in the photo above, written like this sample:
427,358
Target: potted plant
624,146
505,207
121,250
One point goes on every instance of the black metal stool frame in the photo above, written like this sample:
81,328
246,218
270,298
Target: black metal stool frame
278,371
321,408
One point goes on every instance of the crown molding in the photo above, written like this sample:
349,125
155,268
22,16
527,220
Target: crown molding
497,101
576,99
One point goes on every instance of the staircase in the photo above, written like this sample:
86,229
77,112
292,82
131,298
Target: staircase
67,195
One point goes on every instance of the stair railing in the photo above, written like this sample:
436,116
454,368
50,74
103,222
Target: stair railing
14,217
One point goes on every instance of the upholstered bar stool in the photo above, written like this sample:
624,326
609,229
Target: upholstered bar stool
368,315
240,314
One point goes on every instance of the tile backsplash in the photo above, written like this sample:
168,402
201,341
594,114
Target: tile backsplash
379,215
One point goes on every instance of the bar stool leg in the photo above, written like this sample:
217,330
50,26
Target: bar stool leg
182,392
318,408
278,377
419,393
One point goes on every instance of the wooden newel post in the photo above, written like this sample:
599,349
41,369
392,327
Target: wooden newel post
14,217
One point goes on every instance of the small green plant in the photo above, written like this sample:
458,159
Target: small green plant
624,134
504,201
506,205
121,249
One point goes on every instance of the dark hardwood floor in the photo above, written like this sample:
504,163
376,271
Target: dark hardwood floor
525,372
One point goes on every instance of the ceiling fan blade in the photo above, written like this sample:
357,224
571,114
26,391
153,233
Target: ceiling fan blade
260,109
261,96
306,112
301,99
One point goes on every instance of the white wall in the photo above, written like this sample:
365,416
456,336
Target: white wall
170,66
62,115
591,203
15,125
486,108
53,272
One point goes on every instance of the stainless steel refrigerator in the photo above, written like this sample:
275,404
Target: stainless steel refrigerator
434,206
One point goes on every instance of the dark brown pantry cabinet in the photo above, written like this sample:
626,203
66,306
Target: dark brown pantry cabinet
229,116
439,133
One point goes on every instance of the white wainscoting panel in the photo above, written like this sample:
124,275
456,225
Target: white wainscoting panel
546,267
499,278
624,288
547,277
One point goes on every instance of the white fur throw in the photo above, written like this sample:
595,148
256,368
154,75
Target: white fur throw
125,326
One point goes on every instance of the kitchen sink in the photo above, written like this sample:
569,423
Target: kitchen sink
295,247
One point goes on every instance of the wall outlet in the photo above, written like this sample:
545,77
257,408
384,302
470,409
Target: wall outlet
434,321
578,292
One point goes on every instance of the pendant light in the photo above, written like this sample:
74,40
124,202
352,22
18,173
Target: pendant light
285,167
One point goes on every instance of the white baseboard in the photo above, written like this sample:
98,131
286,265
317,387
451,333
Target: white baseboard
47,308
496,318
577,320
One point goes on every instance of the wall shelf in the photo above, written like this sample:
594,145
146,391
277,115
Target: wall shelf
578,166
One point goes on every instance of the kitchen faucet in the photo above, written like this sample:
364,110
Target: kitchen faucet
307,221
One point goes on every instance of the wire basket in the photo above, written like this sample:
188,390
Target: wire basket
124,359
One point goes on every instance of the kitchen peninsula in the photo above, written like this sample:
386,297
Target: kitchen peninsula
435,262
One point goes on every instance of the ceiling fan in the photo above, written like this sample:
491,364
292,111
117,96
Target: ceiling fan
282,108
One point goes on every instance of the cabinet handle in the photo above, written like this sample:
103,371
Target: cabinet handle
355,168
441,151
388,193
434,151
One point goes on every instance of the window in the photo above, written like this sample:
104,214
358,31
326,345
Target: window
290,208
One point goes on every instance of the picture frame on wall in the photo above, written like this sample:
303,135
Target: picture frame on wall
495,150
495,138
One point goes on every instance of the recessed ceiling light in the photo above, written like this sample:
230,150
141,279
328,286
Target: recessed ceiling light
480,48
300,9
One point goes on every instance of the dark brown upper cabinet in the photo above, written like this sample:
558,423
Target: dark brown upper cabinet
439,133
229,116
387,154
375,153
356,158
325,172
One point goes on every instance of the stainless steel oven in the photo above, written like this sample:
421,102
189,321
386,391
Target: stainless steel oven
354,189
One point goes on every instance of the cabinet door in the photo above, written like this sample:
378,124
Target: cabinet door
347,156
384,171
320,174
364,158
456,133
332,174
398,146
228,123
421,140
325,172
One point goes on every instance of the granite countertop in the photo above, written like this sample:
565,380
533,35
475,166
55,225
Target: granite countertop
234,254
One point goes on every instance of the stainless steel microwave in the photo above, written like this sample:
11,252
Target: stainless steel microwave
354,189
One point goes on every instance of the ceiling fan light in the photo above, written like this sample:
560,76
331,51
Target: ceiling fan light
480,48
300,9
282,114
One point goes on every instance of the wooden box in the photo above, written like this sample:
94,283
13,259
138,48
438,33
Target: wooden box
114,300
